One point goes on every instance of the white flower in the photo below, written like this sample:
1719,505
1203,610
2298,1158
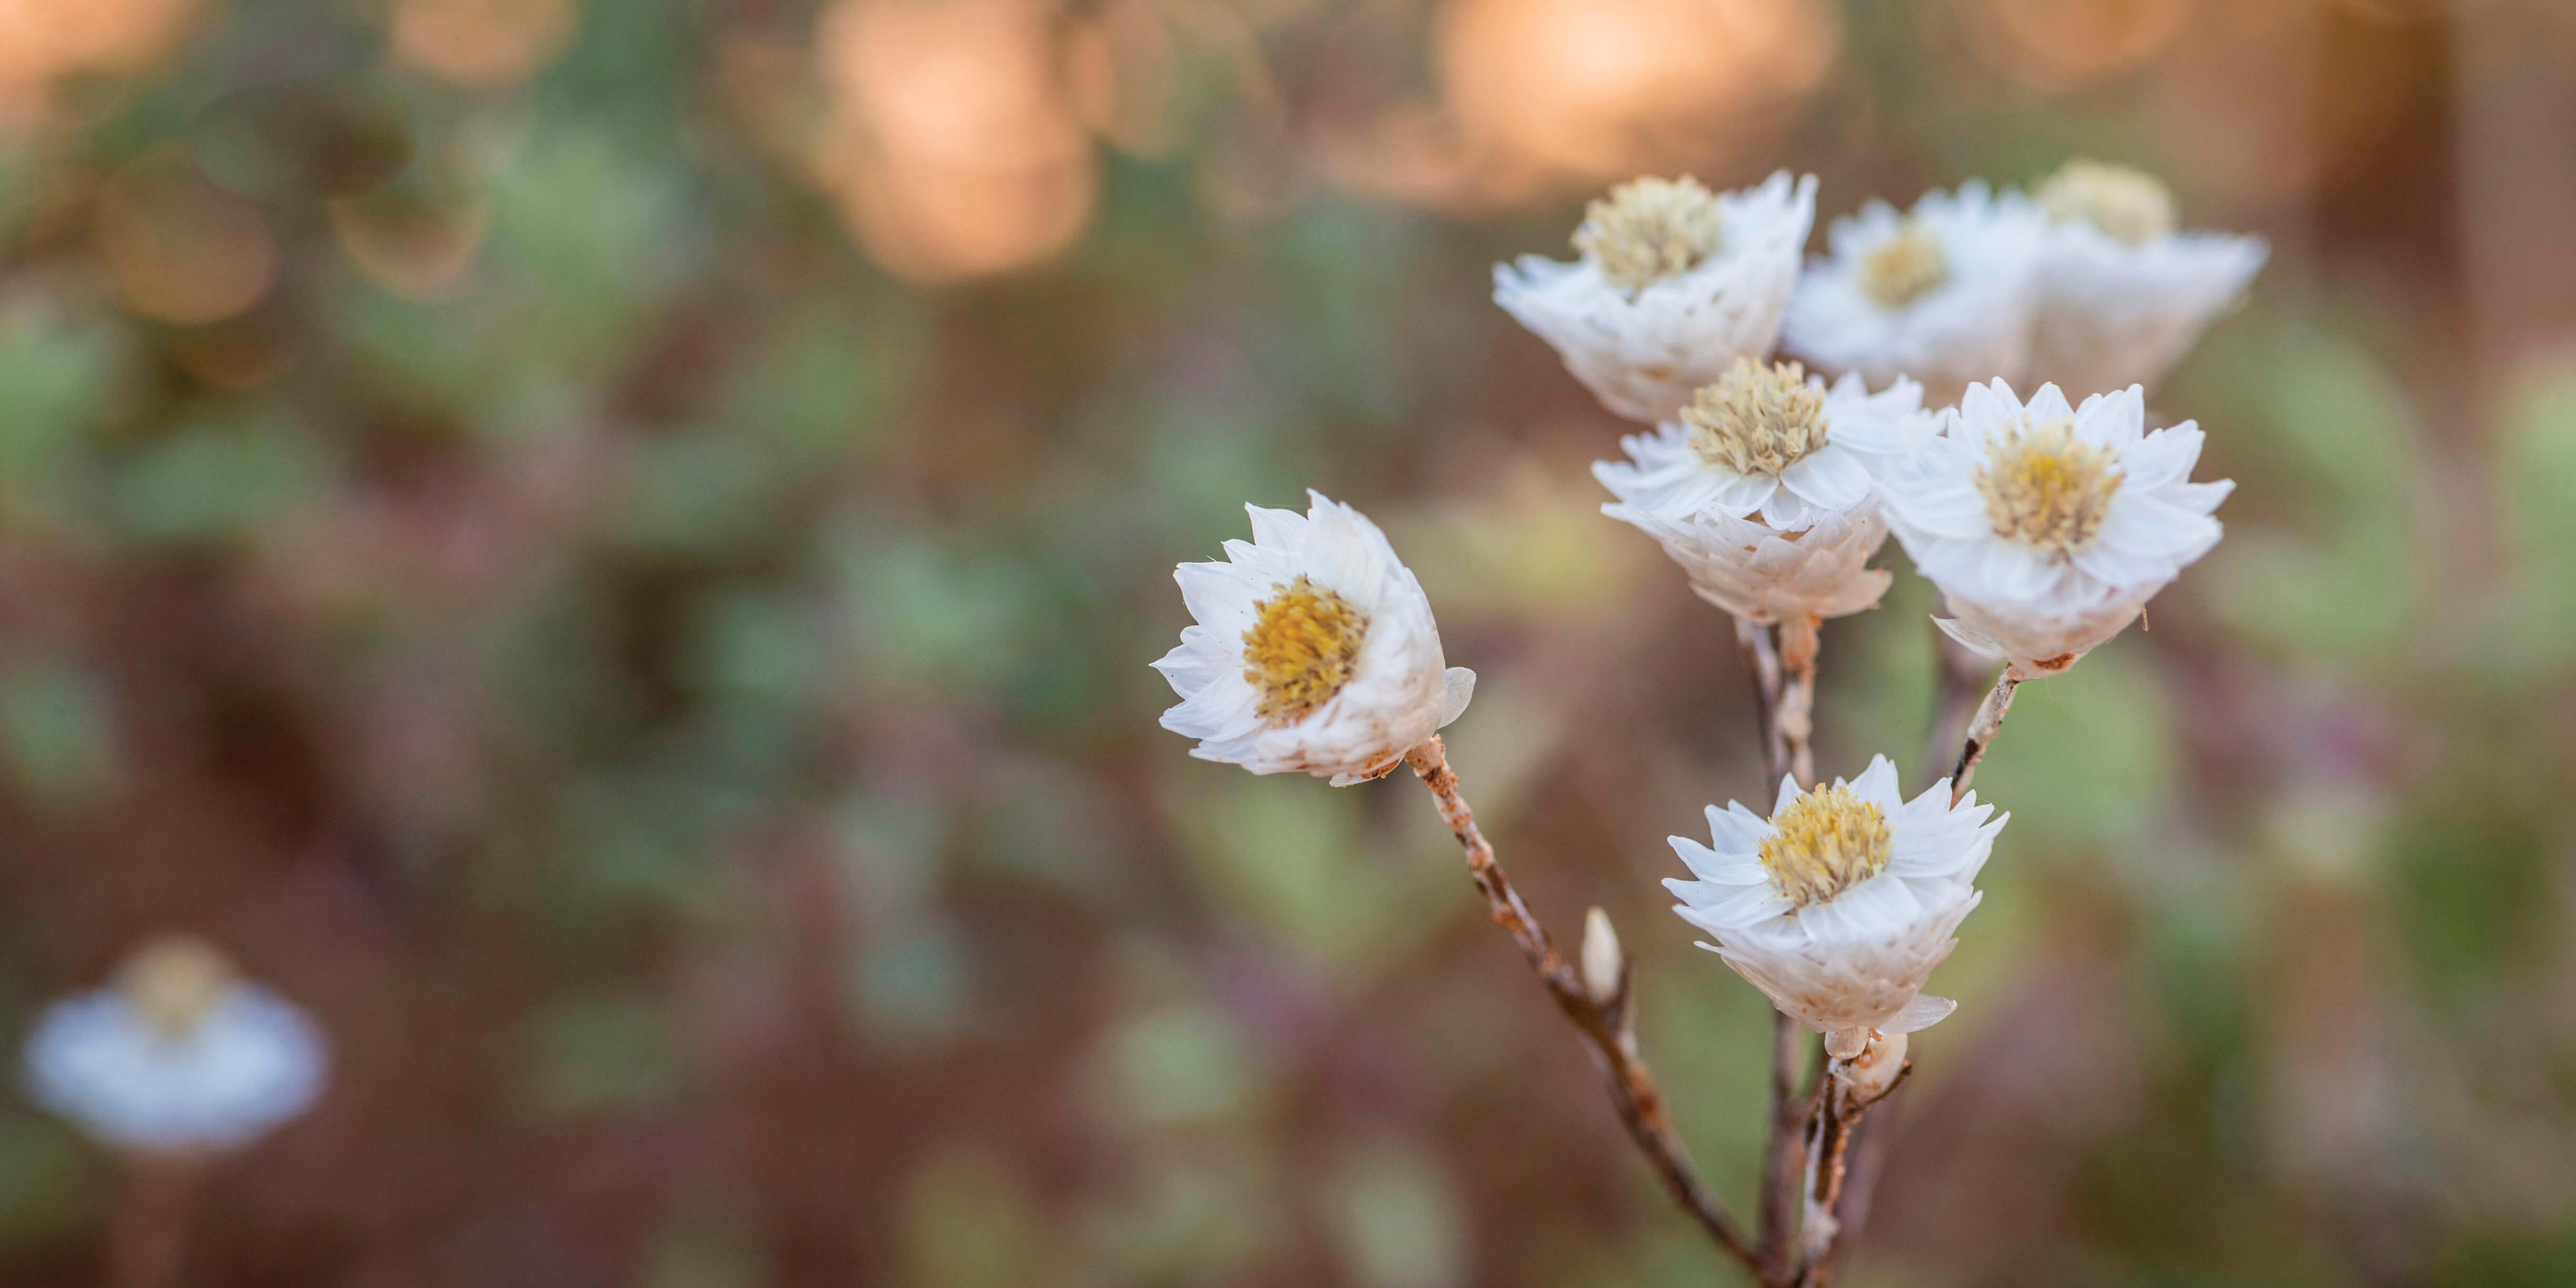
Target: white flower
1763,575
1314,651
2048,528
1840,904
1943,294
179,1056
2121,294
1765,490
1766,440
1673,284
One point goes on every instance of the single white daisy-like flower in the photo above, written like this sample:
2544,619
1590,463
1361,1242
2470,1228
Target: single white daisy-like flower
1766,440
1765,490
179,1055
1314,651
1839,905
2122,294
1671,285
2047,527
1944,293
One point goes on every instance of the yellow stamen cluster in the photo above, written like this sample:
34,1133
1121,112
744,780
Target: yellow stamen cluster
1759,419
174,980
1301,650
1649,229
2131,205
1905,267
1827,841
2047,489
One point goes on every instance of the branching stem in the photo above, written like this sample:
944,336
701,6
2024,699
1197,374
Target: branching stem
1604,1027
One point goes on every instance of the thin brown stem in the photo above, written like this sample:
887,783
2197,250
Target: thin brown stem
1959,679
1632,1085
1784,1162
1762,663
1836,1115
1796,716
1981,733
150,1230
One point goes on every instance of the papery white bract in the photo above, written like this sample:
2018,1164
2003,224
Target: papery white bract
2121,294
1944,294
1314,651
1643,350
243,1062
1770,546
1839,905
2047,527
1674,476
1764,575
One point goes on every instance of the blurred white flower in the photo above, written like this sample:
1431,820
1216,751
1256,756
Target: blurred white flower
1765,491
2046,527
1673,283
1840,904
1314,651
180,1055
1944,294
2121,294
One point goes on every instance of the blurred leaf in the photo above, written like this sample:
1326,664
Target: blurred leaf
59,725
218,477
53,1190
600,1052
969,1220
1182,1064
1398,1221
700,494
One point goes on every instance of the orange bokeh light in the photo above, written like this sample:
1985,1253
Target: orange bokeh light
484,44
1545,94
42,41
954,144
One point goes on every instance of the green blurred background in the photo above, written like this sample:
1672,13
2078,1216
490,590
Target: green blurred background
610,550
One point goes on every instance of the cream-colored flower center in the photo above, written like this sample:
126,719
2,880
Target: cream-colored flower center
1649,229
1760,418
1827,841
2047,489
2131,205
1301,650
1905,267
173,981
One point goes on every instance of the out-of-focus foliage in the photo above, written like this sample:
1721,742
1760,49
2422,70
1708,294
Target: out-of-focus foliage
610,550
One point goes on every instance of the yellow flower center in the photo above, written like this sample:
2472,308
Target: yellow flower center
2045,488
2131,205
1760,418
1905,267
1827,841
174,980
1649,229
1301,651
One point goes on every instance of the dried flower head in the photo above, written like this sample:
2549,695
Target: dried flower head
1905,267
1826,842
1840,904
1674,283
2047,527
2131,205
1650,229
1761,418
1313,651
1300,651
2047,489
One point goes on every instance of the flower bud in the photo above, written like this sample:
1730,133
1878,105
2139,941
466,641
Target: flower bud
1602,963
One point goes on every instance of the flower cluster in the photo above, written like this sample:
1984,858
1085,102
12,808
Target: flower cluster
2047,524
